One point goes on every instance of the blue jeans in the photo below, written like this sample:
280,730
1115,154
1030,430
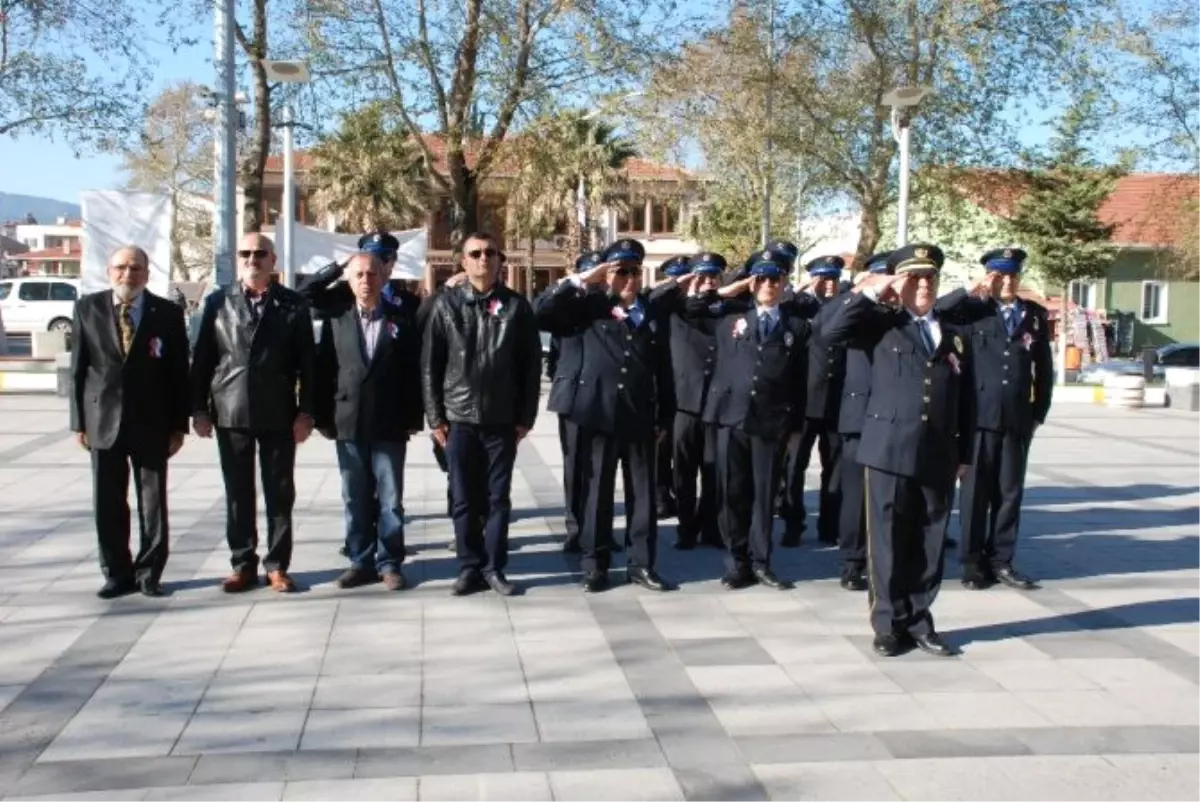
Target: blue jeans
373,492
481,466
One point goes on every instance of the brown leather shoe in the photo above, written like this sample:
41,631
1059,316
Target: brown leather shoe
281,582
240,581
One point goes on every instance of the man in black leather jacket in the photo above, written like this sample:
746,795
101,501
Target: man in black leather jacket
252,378
481,366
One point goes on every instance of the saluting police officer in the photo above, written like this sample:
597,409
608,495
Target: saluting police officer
916,438
614,407
826,374
757,402
856,388
1014,379
565,352
693,361
668,505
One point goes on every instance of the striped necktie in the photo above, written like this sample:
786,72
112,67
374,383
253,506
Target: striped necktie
125,326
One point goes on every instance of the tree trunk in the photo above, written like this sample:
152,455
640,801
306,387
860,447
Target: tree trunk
868,234
530,253
574,238
464,201
256,161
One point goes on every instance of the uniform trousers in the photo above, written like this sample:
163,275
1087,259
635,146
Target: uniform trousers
596,457
748,468
906,542
664,489
110,491
829,446
570,470
852,527
277,458
990,500
481,461
693,452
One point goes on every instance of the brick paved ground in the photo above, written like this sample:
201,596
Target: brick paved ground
1085,689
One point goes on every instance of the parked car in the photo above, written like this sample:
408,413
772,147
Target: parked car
31,305
1175,355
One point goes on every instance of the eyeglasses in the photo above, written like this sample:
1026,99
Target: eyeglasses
485,252
260,253
625,272
769,279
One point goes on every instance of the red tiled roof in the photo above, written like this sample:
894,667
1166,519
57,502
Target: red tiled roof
1144,209
636,169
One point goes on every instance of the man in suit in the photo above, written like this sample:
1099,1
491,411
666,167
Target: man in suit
756,402
329,297
481,368
693,442
826,374
612,399
1014,380
129,406
856,389
569,357
916,438
252,379
369,401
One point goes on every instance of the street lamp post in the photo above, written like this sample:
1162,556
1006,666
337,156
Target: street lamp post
903,100
288,72
224,145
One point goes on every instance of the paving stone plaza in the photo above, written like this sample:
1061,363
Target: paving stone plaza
1085,689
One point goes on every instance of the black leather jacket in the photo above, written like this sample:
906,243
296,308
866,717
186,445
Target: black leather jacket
251,376
482,359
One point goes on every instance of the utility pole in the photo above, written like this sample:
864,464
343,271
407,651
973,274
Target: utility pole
225,145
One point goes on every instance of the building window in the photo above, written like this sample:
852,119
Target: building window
664,217
1085,293
631,217
1154,302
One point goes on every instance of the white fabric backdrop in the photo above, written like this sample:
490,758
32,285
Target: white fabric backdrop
316,248
112,218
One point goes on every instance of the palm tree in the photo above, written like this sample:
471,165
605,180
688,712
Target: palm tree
368,175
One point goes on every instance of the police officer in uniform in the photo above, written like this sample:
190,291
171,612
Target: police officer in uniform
615,410
916,437
1014,380
693,361
757,402
826,374
856,388
674,268
569,360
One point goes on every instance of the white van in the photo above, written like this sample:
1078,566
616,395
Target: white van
31,305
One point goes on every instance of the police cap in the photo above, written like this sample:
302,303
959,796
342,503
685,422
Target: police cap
1004,260
919,257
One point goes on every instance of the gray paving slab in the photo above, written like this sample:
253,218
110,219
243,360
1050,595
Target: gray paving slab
1088,685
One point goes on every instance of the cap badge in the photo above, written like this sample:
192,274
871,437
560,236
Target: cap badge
958,344
1008,253
921,253
788,339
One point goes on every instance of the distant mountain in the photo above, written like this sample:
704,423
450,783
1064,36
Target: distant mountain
44,210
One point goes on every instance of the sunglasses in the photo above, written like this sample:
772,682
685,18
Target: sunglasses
624,272
485,252
769,279
257,254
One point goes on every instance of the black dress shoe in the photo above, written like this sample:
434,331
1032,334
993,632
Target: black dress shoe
853,580
498,582
571,545
737,579
1008,576
594,581
665,509
115,588
889,645
355,577
933,644
647,579
151,588
765,576
468,582
976,582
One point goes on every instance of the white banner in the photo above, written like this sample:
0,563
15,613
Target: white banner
113,218
315,248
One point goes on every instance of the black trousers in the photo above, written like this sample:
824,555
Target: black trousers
570,473
906,542
110,493
693,444
277,456
990,500
481,460
664,488
852,528
829,447
748,469
597,457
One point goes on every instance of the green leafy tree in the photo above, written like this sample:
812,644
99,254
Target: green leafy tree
369,174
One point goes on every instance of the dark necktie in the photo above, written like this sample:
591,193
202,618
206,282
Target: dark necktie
125,324
926,334
764,327
1010,320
